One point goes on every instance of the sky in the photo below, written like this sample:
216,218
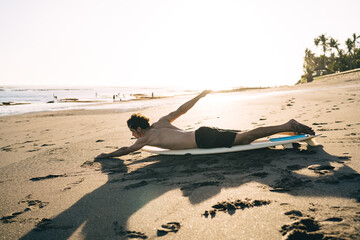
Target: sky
200,44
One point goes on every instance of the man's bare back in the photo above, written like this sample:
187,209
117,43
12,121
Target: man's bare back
170,138
165,135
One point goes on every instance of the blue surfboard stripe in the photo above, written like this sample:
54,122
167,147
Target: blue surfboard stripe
288,138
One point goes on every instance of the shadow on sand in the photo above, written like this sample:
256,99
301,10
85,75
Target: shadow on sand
108,208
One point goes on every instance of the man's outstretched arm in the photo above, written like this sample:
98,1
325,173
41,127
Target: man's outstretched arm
123,151
185,107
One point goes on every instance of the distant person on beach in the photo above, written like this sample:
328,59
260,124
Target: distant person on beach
165,135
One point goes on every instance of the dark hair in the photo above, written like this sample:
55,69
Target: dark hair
138,120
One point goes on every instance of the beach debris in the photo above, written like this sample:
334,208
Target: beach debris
230,207
100,140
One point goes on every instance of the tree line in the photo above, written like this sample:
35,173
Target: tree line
333,59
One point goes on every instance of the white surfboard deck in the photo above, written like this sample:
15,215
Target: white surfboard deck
272,142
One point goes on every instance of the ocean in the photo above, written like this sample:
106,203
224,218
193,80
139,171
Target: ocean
27,99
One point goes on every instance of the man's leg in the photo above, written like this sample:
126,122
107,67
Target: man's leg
290,126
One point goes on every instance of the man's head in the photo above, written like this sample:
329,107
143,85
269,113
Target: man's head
138,122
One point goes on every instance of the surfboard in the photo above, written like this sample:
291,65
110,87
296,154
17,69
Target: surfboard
272,142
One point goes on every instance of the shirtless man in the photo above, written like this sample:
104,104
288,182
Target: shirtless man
165,135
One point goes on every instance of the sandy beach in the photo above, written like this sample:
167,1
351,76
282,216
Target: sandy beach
52,188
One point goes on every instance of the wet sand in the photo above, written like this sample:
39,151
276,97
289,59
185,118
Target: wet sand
52,188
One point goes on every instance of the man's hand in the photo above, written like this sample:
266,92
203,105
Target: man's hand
204,93
124,150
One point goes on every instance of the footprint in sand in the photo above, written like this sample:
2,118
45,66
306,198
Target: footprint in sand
167,228
302,229
294,214
47,177
120,231
288,183
6,149
260,174
69,186
321,168
334,219
31,205
294,167
47,145
189,189
34,150
136,185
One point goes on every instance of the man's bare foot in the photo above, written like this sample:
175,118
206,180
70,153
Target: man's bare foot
300,128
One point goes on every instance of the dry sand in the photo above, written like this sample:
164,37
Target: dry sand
51,187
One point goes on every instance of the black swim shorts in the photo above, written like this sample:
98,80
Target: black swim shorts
207,137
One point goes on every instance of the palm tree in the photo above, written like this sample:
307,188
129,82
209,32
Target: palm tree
342,61
349,44
333,44
355,38
309,65
316,41
324,43
323,40
355,61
